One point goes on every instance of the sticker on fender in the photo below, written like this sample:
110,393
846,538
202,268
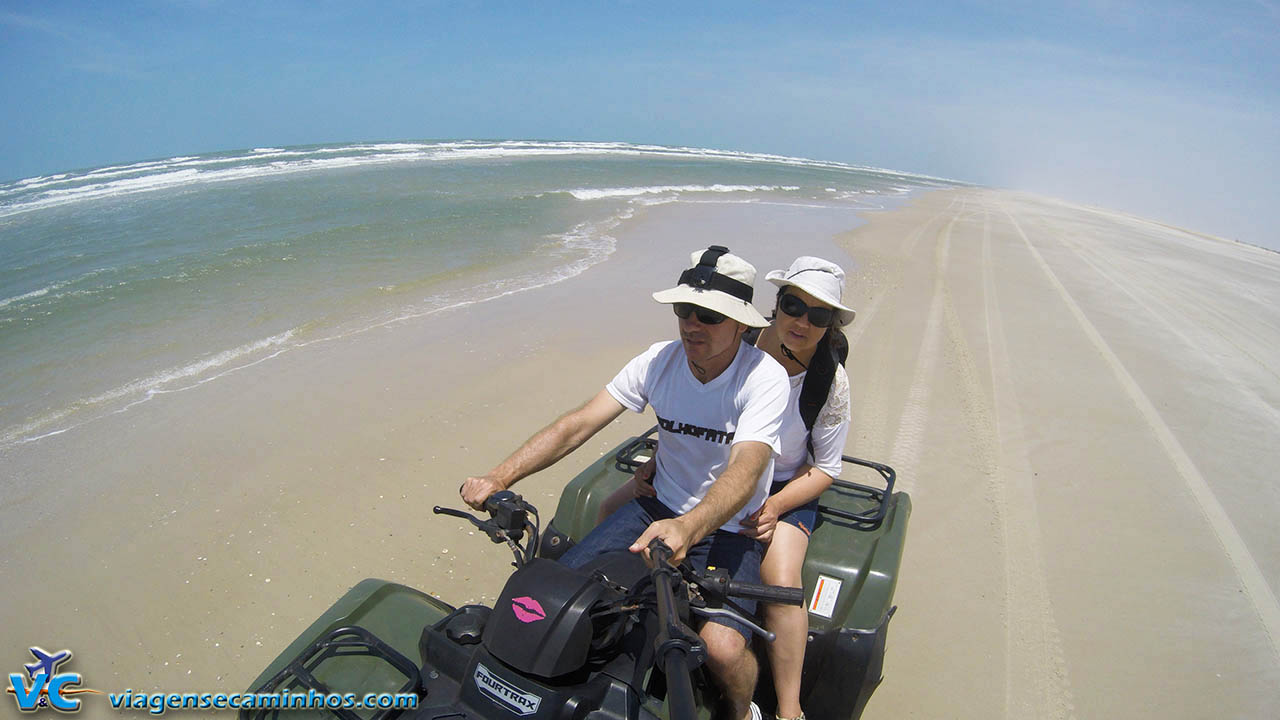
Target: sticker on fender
824,597
504,693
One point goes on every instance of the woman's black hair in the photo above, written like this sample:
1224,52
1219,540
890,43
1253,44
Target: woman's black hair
832,350
833,341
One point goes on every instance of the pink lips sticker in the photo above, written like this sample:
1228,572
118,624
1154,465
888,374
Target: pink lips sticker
527,609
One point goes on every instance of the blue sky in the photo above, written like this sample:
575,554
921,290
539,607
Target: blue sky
1164,109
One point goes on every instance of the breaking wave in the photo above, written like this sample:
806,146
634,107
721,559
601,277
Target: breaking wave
118,180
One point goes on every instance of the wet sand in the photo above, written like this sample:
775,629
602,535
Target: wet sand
1083,406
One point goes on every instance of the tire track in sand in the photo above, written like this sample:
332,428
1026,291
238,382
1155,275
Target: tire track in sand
909,247
908,442
854,332
1037,684
873,403
1251,577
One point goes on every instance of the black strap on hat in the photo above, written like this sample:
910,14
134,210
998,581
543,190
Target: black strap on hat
822,270
704,276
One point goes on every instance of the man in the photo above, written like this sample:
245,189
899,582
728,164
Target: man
719,403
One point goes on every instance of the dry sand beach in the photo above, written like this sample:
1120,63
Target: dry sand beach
1084,406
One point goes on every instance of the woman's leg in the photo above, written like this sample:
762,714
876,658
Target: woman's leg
783,562
623,495
640,484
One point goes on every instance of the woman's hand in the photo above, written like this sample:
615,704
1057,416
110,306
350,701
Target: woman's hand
761,523
643,485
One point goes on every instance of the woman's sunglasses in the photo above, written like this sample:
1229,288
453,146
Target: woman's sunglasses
705,316
795,307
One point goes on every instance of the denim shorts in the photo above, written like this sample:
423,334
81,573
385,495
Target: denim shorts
738,554
804,517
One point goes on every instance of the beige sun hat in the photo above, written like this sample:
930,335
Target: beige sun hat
822,279
718,281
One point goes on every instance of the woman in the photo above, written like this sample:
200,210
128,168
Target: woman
806,339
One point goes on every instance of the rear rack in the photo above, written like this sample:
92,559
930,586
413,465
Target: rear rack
635,453
631,456
342,642
869,519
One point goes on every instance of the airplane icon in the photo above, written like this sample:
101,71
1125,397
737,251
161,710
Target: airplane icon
48,664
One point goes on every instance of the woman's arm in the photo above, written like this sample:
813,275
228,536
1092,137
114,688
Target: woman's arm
808,484
829,434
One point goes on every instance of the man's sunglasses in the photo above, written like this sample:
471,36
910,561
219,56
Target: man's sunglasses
795,307
705,316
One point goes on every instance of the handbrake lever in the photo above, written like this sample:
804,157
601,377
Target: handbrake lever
490,528
708,612
716,586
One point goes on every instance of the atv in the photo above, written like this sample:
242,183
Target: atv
611,640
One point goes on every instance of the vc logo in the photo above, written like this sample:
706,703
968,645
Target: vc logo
47,686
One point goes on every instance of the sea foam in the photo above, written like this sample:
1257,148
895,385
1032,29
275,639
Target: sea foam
156,175
143,389
601,193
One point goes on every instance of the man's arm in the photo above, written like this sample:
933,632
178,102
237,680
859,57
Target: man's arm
808,484
546,447
727,495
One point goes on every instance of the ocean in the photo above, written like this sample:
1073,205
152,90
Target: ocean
121,283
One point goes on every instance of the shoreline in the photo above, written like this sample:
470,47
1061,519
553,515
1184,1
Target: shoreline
1054,551
584,245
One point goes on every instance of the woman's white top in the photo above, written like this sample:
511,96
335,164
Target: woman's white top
830,430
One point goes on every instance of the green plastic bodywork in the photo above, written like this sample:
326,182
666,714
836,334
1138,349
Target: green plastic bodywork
865,561
395,613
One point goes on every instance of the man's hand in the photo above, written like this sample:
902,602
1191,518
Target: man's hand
673,532
761,523
478,489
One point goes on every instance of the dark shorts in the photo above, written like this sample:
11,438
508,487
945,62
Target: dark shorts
804,517
739,554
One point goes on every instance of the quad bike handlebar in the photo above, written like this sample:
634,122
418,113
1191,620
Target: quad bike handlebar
509,521
678,650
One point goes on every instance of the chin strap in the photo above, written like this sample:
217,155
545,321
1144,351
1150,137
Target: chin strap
787,351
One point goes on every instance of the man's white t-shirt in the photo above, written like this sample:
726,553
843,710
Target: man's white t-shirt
698,423
830,430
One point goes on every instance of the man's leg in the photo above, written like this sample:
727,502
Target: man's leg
615,532
733,665
730,657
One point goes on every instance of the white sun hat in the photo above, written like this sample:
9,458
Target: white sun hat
718,281
822,279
